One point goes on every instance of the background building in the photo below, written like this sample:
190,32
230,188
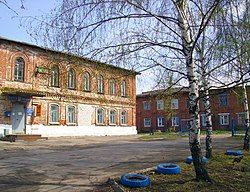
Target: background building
57,94
168,109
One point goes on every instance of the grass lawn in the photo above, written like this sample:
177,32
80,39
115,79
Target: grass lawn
173,135
226,175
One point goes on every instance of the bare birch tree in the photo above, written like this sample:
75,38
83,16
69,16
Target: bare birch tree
138,33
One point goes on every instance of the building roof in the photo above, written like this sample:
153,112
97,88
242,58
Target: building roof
167,91
66,54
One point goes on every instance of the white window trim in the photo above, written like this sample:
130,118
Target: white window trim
223,115
148,109
126,117
178,123
115,117
144,122
51,122
97,123
75,118
162,123
176,101
161,104
241,113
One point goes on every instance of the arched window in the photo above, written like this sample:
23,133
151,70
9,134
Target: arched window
112,117
54,113
100,84
124,117
123,88
112,87
19,69
71,114
71,79
100,116
86,81
55,76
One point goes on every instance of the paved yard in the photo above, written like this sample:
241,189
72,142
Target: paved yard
79,164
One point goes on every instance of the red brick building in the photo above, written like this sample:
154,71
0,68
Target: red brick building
164,110
57,94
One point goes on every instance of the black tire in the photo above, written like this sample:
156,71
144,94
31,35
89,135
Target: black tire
135,180
168,168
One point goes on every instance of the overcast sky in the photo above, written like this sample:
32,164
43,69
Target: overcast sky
11,29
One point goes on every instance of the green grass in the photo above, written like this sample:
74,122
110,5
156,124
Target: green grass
160,136
226,175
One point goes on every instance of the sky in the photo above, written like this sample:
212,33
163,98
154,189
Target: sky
11,28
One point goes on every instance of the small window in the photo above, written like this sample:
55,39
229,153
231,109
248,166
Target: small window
147,122
86,81
112,87
175,121
19,69
123,88
112,117
224,119
187,104
100,84
203,120
100,116
71,79
174,104
223,100
160,105
146,105
160,121
124,120
55,76
241,118
71,115
54,114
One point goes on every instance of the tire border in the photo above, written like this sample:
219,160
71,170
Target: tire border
126,181
162,168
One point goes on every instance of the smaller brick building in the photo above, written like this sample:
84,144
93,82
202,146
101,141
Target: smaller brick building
168,109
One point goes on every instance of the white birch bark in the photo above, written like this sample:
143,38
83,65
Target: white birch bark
194,122
246,110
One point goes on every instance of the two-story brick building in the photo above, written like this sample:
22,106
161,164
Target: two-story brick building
168,109
52,93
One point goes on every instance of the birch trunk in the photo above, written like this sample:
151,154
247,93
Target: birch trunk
246,138
206,102
194,122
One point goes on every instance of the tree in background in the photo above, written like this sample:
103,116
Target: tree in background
139,35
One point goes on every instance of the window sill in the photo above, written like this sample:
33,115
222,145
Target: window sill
54,86
71,124
54,123
112,124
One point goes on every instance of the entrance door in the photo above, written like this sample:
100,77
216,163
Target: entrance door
18,118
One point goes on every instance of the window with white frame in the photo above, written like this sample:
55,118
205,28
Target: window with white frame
54,113
100,84
112,117
224,119
19,69
55,76
175,121
71,79
86,81
146,105
223,100
160,121
124,118
203,120
174,104
112,87
160,104
147,122
71,115
100,116
123,88
241,118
